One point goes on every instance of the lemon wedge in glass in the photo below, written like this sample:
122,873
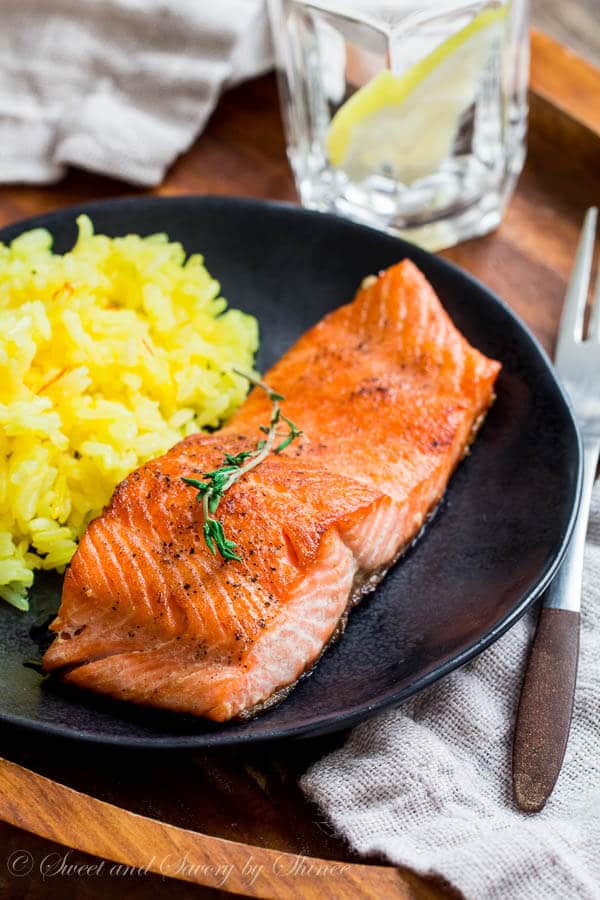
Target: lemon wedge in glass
406,125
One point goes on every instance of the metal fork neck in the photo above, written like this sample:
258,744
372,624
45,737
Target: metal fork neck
565,590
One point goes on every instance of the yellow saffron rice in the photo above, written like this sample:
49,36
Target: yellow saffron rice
109,354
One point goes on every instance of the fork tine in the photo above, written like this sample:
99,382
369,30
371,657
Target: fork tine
571,322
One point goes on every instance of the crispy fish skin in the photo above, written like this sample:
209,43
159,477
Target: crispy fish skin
389,396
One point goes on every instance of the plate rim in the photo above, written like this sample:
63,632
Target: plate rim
341,721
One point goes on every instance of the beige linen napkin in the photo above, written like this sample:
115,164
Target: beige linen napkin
429,785
117,86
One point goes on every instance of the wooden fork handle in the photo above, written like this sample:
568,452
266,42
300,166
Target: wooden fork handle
545,708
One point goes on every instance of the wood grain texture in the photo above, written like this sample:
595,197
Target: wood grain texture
252,796
577,94
545,708
150,845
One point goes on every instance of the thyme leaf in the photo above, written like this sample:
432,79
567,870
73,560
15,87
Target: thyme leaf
235,466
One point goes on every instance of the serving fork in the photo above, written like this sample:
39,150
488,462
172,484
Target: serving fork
546,703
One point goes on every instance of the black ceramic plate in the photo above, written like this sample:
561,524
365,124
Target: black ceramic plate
488,553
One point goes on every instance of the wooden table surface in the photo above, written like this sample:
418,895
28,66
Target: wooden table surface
253,796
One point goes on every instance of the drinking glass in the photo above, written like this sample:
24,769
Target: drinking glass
408,115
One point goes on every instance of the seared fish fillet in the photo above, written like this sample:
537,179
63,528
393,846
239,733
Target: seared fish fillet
389,395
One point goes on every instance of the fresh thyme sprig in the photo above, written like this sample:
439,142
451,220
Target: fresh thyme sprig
211,490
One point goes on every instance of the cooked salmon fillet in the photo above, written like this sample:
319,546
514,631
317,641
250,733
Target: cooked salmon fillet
388,395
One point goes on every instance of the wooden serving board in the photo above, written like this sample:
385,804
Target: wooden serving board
243,809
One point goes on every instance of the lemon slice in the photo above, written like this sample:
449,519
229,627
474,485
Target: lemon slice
406,124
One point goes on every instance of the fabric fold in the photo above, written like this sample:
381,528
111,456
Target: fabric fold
118,87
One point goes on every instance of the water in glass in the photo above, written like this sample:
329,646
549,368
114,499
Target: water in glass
409,116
